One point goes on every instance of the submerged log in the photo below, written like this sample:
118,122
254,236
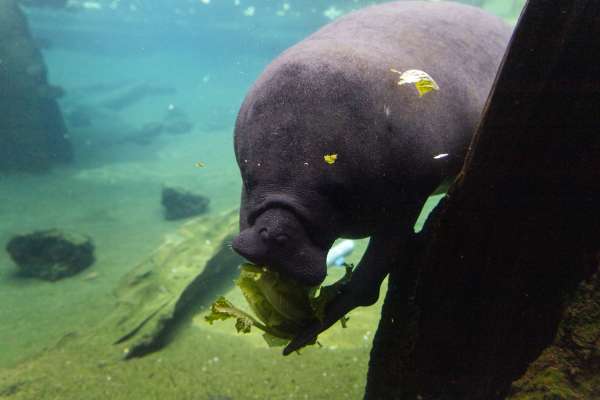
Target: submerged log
183,276
505,264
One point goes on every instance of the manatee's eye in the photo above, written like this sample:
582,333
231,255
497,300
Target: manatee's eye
281,239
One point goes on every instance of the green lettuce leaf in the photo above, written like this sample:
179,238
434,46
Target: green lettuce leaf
283,308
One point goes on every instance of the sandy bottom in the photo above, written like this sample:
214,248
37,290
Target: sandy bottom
203,362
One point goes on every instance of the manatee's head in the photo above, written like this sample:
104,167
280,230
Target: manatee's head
277,239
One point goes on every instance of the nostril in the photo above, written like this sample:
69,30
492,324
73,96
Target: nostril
281,239
264,234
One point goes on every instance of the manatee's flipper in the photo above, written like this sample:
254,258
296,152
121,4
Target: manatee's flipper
382,253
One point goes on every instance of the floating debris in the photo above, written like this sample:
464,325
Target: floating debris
422,80
330,158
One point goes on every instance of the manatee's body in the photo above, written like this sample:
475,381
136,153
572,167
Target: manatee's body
335,93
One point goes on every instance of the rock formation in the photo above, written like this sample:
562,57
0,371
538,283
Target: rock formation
32,130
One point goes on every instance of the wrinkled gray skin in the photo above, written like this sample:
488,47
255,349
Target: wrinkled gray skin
334,93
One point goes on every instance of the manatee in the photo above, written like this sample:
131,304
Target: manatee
335,93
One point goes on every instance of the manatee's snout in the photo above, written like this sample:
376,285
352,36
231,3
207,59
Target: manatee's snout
278,241
249,245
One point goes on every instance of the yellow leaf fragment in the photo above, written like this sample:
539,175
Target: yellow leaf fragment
423,82
330,158
199,164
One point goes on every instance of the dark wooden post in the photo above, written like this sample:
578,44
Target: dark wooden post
508,249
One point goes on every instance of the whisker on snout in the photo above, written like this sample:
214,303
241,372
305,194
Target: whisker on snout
229,245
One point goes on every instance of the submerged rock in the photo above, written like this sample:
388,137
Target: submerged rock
180,203
50,91
51,254
33,134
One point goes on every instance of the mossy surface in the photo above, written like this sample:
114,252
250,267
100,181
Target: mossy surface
570,368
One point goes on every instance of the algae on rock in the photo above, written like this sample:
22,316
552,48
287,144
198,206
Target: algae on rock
570,368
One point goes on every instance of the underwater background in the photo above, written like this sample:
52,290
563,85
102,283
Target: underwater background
151,92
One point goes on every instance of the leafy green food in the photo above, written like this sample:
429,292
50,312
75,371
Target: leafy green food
283,308
223,309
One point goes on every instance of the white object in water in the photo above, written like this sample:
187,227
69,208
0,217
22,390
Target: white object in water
339,251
